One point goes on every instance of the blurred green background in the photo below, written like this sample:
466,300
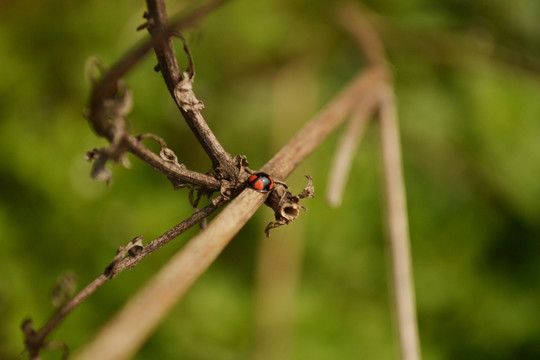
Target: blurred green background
467,80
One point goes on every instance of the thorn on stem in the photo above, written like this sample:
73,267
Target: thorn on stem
142,26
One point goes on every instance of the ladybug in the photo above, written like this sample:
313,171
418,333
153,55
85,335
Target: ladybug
261,182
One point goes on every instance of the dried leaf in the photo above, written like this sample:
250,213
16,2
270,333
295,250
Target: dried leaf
99,170
133,248
65,288
185,96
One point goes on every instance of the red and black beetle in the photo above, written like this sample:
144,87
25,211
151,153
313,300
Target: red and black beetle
261,182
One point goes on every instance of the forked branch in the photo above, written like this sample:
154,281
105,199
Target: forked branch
180,87
109,105
126,332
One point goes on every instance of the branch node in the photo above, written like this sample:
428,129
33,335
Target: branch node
185,96
32,341
133,248
164,152
168,155
231,186
115,152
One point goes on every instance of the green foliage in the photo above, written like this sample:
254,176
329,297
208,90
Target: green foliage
467,83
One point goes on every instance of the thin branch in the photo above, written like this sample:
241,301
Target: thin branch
107,87
109,90
158,22
177,173
125,332
131,261
36,341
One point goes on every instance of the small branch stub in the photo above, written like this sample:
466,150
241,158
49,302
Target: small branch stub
35,343
133,248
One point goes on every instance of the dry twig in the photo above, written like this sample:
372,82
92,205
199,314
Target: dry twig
126,332
36,340
179,85
110,103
